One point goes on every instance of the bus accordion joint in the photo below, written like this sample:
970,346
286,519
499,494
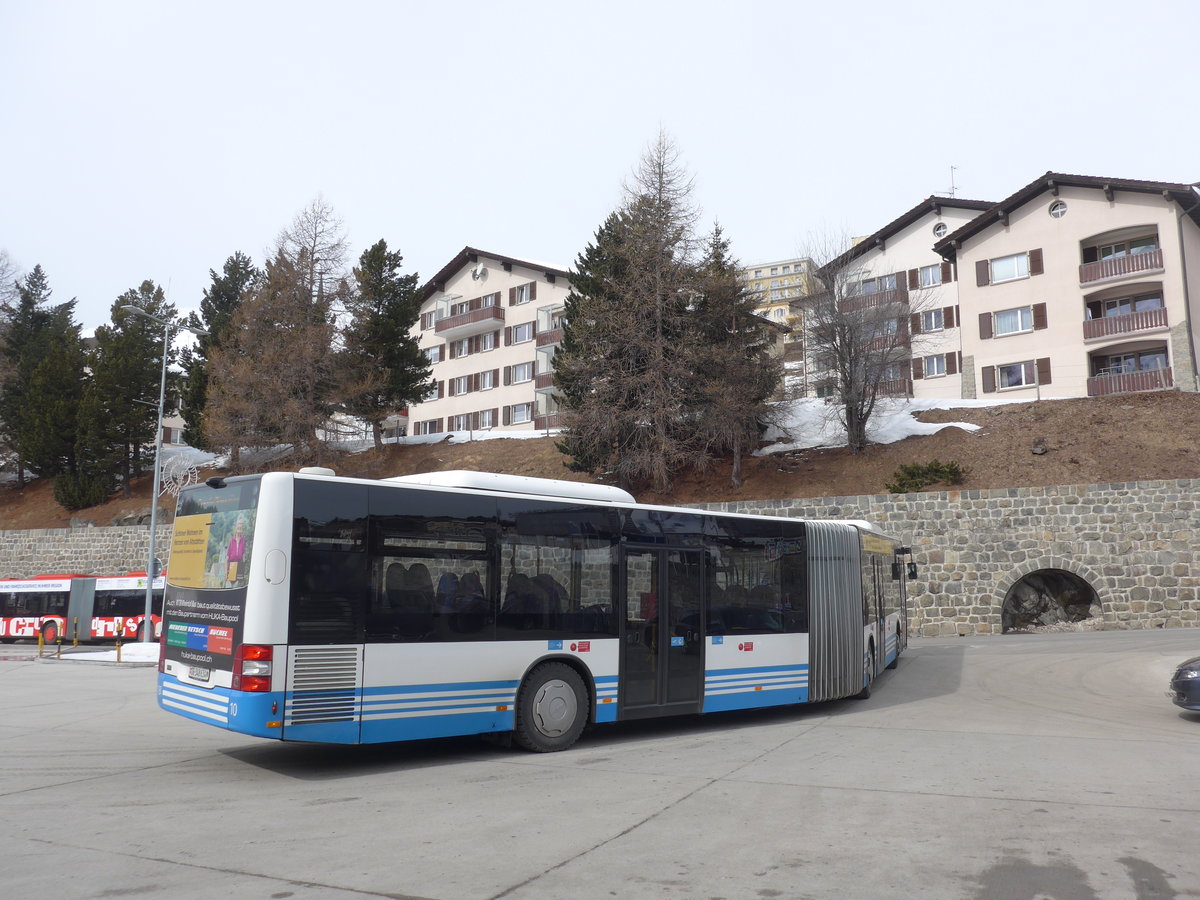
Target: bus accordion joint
252,668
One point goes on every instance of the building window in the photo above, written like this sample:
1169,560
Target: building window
460,309
487,380
460,423
935,366
758,273
1009,268
522,295
462,385
940,229
434,354
428,320
1124,363
1058,209
932,320
487,341
778,314
930,275
459,349
1014,321
487,418
429,426
522,412
1123,306
489,300
1129,248
786,269
1016,375
774,270
522,333
522,372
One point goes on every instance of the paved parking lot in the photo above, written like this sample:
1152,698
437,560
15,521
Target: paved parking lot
1048,766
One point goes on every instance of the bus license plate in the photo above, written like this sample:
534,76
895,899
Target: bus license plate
198,673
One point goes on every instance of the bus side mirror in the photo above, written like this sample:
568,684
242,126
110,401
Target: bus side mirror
895,571
912,570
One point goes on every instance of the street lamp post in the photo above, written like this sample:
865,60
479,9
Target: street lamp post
148,623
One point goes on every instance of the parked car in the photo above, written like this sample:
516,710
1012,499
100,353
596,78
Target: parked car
1185,685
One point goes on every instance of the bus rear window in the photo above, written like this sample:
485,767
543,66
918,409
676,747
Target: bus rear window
214,536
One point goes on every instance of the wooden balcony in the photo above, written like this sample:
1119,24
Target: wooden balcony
1111,326
1130,382
543,381
546,338
1120,267
869,301
541,423
477,321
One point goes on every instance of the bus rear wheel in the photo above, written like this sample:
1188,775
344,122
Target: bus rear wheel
551,709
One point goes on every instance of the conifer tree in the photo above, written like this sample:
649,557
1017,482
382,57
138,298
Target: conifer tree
381,365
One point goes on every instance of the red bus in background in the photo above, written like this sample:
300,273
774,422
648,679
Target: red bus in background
58,606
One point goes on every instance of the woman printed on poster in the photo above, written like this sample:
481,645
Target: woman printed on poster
236,551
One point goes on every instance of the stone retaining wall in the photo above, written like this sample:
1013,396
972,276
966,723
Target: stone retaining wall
1136,544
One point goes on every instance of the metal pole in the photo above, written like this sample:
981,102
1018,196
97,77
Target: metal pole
148,623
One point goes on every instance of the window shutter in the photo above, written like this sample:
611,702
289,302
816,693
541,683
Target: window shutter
918,369
474,421
533,290
452,350
1039,317
989,379
1091,254
1035,262
437,425
495,416
949,316
507,376
914,279
474,344
985,326
441,389
1043,370
951,364
512,296
983,273
508,415
453,387
947,273
915,320
495,377
508,336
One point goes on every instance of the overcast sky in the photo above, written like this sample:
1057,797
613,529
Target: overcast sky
154,139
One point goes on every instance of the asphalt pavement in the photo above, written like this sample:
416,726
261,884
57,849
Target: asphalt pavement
1006,768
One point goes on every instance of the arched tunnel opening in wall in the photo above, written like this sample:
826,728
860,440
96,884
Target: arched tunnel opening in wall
1048,597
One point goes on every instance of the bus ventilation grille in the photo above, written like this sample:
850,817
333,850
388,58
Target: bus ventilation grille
323,685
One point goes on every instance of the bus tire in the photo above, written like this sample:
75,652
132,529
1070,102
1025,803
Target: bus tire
551,709
865,693
50,632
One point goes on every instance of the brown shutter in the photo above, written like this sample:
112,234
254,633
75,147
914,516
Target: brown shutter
450,344
512,296
914,279
441,389
949,316
1043,370
453,387
947,273
1035,262
495,415
437,425
983,273
533,290
507,415
495,377
985,326
507,376
951,364
508,336
915,323
918,369
474,421
1039,316
989,379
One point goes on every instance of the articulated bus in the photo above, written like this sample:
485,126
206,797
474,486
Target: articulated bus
307,607
77,606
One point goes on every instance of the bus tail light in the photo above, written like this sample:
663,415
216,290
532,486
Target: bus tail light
252,668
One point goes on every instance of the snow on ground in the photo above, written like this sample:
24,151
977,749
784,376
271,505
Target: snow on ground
130,653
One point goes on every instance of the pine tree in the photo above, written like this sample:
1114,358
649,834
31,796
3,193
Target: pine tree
220,302
31,329
127,370
383,368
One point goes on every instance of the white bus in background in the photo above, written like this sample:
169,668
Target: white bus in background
307,607
76,606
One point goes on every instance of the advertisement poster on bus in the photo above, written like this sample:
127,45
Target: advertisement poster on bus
210,567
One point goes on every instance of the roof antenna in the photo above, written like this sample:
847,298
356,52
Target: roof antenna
953,169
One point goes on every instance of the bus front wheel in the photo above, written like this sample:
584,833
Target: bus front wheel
551,709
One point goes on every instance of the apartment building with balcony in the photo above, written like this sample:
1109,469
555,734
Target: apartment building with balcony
1079,286
775,287
489,325
896,268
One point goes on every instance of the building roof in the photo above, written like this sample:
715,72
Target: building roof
469,255
1183,194
932,204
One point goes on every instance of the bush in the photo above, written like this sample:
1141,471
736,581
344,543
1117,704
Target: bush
79,491
915,477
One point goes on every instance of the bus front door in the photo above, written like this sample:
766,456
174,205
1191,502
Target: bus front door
662,640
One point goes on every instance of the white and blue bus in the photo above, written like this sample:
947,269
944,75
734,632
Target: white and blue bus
308,607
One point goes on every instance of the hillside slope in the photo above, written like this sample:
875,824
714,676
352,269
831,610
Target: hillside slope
1102,440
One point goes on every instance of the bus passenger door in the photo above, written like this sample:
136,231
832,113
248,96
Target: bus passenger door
662,640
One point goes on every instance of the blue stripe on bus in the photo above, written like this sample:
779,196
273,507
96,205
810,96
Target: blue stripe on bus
240,712
748,688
